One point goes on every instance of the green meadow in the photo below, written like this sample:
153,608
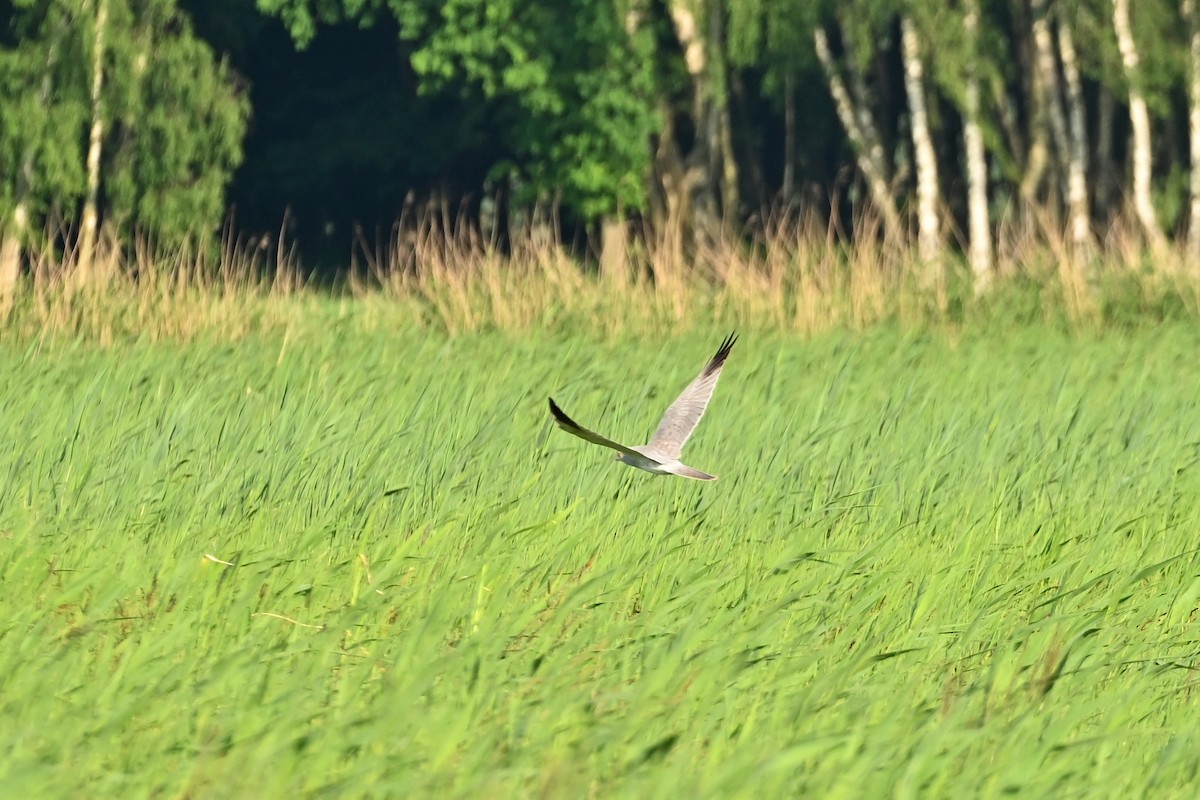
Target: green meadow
364,564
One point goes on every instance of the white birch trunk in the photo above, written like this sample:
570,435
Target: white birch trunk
928,224
687,31
978,228
1078,213
1139,119
10,264
867,150
1193,20
15,239
861,104
1047,70
700,173
87,239
718,101
1037,156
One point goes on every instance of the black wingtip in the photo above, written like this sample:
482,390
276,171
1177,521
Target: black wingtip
559,415
722,353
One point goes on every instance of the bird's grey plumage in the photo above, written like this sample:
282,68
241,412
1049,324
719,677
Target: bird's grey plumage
684,414
571,426
662,454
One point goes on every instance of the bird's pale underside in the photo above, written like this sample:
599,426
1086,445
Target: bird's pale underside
661,455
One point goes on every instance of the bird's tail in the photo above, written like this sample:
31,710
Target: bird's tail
684,471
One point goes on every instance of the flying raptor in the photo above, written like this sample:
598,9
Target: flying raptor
661,455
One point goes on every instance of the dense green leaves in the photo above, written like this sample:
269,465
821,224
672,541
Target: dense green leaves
172,118
599,106
569,89
43,109
178,124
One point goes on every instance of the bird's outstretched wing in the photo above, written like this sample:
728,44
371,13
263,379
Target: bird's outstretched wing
684,414
571,426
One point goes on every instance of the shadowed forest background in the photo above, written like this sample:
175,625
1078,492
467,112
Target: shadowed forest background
948,143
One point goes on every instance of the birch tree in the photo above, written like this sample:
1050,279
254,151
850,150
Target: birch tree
572,98
1192,18
176,125
699,176
97,10
720,100
1078,213
39,117
928,222
116,114
1139,119
979,246
961,63
712,170
42,109
1051,97
858,120
1040,90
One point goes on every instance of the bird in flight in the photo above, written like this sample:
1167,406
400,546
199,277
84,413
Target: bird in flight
661,455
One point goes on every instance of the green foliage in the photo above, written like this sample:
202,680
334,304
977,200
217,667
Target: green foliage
574,99
771,34
178,123
953,56
866,25
43,108
930,568
173,119
776,38
1172,195
570,89
1161,37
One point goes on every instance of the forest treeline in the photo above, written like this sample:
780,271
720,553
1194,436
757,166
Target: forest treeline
941,123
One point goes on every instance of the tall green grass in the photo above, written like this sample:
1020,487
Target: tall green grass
366,565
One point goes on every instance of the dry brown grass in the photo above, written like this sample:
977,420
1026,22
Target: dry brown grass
792,273
150,293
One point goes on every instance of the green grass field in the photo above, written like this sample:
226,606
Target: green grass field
365,564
